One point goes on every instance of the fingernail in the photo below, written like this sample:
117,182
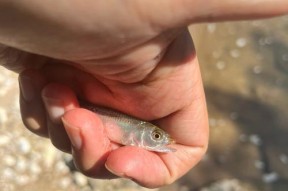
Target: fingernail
54,108
27,88
74,134
116,173
120,174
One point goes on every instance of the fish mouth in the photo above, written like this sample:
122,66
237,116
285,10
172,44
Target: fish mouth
170,140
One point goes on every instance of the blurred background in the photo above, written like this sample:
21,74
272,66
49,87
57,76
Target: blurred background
245,72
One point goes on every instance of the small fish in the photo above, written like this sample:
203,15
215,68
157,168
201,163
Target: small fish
128,130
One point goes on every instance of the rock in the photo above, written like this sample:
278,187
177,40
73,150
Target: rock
24,145
21,164
4,140
9,160
80,179
35,169
255,139
241,42
65,182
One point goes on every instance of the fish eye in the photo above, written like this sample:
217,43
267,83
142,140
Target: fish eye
156,135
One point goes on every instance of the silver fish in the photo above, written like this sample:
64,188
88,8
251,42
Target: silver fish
127,130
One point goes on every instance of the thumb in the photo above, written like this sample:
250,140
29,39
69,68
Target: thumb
176,13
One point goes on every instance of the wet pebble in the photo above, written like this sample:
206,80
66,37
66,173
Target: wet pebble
257,69
67,157
283,158
4,140
270,177
36,156
220,65
259,164
35,168
80,179
8,173
235,53
65,182
241,42
24,145
21,165
22,180
9,160
255,139
60,166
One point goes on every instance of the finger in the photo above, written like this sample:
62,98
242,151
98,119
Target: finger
184,12
188,126
142,166
58,99
32,109
90,143
84,85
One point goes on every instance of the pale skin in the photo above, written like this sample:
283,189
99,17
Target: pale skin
134,56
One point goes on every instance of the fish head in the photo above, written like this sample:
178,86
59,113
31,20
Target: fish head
156,139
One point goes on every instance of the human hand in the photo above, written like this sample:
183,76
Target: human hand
181,112
120,81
